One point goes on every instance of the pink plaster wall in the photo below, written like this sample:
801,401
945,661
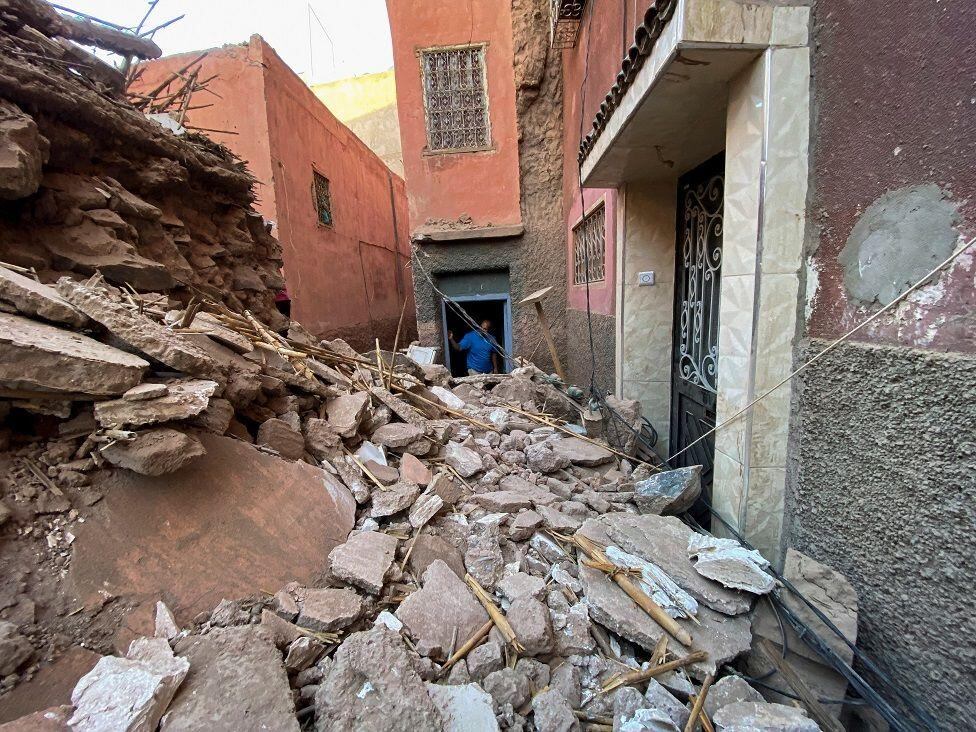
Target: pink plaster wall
589,70
349,279
445,186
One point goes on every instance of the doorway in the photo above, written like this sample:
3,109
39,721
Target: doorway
493,307
694,367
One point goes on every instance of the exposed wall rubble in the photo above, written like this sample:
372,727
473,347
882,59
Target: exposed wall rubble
89,183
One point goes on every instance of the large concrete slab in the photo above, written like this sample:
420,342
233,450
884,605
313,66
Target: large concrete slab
232,523
236,682
37,356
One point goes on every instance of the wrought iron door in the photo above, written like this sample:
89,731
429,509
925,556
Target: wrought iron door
694,371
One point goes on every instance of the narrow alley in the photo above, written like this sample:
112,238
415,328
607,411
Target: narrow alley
496,365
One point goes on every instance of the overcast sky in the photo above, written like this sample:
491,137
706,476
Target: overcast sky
359,29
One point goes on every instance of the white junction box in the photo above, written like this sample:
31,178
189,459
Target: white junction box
645,279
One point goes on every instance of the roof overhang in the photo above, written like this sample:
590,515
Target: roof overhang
671,113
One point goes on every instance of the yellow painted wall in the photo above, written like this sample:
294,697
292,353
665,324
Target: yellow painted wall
367,105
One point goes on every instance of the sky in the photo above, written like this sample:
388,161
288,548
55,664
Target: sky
322,40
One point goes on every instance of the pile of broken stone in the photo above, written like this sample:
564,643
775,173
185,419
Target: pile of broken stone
501,565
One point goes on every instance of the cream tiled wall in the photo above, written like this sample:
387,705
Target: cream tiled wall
762,249
646,312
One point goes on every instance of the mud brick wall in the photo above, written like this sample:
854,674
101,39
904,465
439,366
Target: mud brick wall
88,183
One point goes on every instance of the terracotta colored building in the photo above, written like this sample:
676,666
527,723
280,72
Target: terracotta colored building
757,180
338,210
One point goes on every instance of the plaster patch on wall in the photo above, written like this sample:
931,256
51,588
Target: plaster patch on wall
898,239
813,286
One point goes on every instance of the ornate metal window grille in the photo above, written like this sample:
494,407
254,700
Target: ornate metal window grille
456,98
701,263
566,16
322,198
589,243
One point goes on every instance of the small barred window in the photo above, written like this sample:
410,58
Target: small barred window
589,243
456,99
323,199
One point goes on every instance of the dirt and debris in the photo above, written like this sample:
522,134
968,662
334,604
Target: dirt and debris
210,519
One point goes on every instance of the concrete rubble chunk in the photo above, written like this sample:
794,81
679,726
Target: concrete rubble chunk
186,398
581,452
37,356
542,458
463,459
302,653
321,440
516,585
281,437
442,612
558,521
209,324
236,681
154,452
485,659
728,562
645,720
396,435
346,412
448,398
762,717
142,392
15,649
530,620
669,492
721,636
397,498
553,713
444,485
507,686
165,623
36,300
664,541
828,590
465,708
833,595
503,501
372,684
414,471
656,583
425,508
524,525
728,690
661,699
330,609
139,331
428,548
130,693
364,560
23,153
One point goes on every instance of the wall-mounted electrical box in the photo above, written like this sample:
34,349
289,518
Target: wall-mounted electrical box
645,279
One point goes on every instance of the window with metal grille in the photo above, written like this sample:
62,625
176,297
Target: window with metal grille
589,243
455,98
323,199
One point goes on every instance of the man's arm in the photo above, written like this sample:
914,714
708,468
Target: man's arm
494,363
450,339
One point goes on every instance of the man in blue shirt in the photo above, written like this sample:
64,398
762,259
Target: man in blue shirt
479,351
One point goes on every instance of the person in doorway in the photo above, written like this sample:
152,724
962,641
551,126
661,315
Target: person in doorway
479,349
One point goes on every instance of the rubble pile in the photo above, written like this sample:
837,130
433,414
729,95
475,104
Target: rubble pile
89,183
500,569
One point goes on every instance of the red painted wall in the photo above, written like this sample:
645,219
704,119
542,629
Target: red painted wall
893,107
349,279
446,186
589,70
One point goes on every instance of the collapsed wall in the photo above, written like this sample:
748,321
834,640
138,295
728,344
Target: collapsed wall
88,183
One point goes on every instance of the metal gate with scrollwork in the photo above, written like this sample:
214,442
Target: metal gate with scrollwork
694,371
